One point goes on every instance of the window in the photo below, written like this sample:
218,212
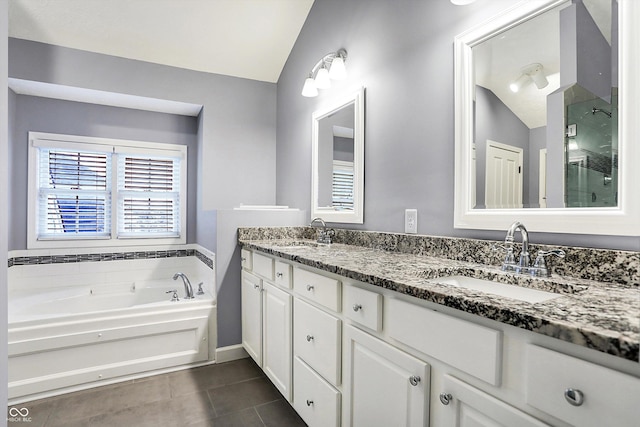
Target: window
91,190
342,188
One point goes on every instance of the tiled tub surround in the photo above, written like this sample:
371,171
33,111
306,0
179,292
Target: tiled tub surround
99,317
602,315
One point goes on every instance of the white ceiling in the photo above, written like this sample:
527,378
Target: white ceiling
499,60
243,38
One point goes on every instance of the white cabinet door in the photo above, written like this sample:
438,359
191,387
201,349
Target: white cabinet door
466,406
383,385
276,305
251,292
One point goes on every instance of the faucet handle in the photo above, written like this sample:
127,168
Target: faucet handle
508,248
200,291
540,262
174,297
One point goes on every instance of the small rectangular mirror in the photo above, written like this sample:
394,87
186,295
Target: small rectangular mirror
338,161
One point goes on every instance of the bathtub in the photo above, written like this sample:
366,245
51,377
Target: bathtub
65,339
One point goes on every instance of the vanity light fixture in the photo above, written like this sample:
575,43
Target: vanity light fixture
330,67
534,72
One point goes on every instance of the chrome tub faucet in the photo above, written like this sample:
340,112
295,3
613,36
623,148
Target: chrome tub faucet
188,290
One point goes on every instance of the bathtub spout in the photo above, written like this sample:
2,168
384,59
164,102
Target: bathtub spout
188,290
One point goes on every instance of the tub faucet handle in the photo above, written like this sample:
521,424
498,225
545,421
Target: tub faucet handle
174,297
200,291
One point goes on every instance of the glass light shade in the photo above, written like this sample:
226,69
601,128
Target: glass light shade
462,2
309,89
517,85
322,79
337,70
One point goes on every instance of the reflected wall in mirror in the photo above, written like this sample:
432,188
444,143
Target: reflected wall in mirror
338,157
545,118
560,60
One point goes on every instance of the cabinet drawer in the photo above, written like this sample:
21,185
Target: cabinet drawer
283,274
313,398
472,348
245,259
364,307
263,265
609,397
316,339
317,288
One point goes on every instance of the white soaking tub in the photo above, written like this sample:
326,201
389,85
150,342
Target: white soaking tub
82,336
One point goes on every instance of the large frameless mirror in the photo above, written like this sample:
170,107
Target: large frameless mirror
544,118
338,161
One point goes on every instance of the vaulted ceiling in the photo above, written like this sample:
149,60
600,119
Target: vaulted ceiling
243,38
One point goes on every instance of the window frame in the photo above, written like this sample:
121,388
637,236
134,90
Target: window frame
115,146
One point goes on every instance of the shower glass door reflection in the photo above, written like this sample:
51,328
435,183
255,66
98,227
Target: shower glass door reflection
591,147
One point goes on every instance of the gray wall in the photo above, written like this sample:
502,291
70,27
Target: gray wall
75,118
4,199
237,134
402,52
496,122
228,262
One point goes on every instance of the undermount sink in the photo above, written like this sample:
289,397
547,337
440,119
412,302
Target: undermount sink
496,288
303,243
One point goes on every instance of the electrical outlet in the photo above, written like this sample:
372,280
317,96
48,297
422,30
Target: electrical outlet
411,221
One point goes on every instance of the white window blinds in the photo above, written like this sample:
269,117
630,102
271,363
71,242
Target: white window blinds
83,189
148,196
342,188
74,194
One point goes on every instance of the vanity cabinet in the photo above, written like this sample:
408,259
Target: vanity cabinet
579,392
383,386
267,323
467,406
251,294
347,353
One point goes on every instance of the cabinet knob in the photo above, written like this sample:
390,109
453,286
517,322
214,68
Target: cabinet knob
445,398
278,274
414,380
309,338
309,402
255,286
309,288
357,307
243,259
574,397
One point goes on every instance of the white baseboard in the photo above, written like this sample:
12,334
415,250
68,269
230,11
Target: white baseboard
229,353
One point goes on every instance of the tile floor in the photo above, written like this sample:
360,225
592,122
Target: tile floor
228,394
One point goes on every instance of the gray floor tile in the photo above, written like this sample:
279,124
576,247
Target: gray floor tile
150,415
235,397
245,418
226,395
37,413
109,400
204,378
279,414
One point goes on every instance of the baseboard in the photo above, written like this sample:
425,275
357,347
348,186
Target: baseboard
229,353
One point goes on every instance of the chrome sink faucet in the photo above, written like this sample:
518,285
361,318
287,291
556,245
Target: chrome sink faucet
188,290
525,259
523,266
324,235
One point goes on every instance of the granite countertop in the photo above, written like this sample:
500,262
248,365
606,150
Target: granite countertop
598,315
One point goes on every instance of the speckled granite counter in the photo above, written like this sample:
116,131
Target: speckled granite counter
598,315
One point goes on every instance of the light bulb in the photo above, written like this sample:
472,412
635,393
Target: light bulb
322,79
309,89
337,70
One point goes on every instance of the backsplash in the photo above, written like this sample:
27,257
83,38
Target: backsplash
613,266
107,256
